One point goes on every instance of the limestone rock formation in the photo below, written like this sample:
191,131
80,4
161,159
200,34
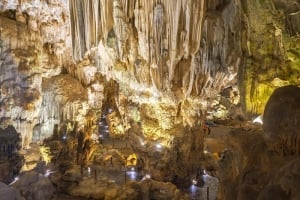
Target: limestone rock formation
281,122
10,162
158,69
33,185
271,47
148,43
33,42
9,193
256,162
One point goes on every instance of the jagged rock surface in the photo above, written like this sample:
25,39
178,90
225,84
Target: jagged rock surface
10,162
271,47
35,45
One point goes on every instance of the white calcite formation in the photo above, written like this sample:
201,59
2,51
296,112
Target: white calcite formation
165,46
35,45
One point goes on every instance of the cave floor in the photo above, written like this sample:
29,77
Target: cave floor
114,174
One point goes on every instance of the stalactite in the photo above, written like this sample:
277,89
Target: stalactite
85,26
164,34
120,27
196,22
158,25
174,11
106,10
192,75
76,17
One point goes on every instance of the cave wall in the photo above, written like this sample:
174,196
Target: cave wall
271,48
35,49
30,50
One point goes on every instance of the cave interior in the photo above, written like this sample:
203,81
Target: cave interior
150,99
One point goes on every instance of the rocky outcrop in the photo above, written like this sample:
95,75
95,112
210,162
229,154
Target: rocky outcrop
281,119
33,45
256,162
10,162
9,193
33,185
271,49
250,168
36,46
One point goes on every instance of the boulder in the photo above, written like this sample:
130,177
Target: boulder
282,119
282,112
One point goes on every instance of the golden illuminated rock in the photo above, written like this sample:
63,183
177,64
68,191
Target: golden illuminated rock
160,74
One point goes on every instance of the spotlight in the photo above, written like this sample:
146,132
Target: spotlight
132,169
132,175
193,189
147,176
194,182
48,172
15,180
158,146
258,120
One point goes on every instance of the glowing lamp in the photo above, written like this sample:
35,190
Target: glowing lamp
194,182
258,120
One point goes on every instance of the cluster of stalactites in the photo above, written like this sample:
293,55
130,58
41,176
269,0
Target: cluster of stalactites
159,24
180,45
89,21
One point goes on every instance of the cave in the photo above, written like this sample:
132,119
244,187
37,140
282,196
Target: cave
149,99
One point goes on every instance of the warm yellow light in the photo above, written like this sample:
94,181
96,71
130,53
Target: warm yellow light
45,154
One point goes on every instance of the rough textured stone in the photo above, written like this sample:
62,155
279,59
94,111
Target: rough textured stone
282,112
10,162
281,119
9,193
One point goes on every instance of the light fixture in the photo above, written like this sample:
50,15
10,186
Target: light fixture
15,180
194,182
147,176
48,172
258,120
